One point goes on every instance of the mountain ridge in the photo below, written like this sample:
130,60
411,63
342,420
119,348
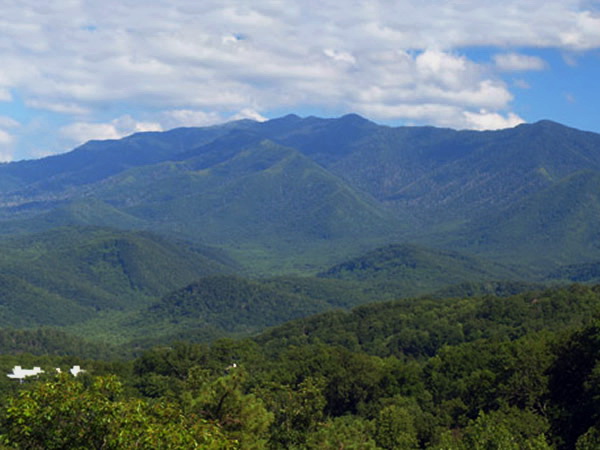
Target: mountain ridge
424,184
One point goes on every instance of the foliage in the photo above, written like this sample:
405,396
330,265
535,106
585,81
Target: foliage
416,328
68,414
409,270
67,275
530,381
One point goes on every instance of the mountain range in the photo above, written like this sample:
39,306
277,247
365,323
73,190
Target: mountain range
118,225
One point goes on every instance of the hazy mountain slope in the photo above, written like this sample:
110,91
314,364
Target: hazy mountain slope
222,305
578,273
85,211
442,176
555,226
24,305
96,160
265,198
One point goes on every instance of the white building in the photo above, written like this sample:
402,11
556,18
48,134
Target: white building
19,373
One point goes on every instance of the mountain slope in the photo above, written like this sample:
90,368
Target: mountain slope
410,270
216,306
269,203
555,226
419,327
225,305
25,305
97,160
441,176
97,268
299,194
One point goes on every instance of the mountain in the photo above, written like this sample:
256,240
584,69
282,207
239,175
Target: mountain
557,225
224,305
229,303
409,270
97,160
300,194
419,327
267,204
66,275
25,305
446,176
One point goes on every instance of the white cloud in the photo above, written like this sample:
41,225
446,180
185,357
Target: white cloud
339,56
248,114
81,132
6,146
484,120
64,108
185,62
515,62
584,32
5,138
197,118
446,116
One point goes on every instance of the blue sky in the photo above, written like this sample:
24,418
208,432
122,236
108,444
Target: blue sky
74,70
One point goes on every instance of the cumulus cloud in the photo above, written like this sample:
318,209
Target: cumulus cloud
484,120
197,63
515,62
81,132
584,32
248,114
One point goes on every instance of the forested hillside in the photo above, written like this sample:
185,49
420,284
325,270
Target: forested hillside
68,274
484,372
98,238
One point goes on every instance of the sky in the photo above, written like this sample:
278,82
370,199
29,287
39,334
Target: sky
76,70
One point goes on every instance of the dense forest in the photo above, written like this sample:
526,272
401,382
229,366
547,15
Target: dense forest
481,372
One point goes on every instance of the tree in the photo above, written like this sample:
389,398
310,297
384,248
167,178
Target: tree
222,400
68,413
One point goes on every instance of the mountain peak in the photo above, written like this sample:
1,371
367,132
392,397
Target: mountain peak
287,118
354,119
546,124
